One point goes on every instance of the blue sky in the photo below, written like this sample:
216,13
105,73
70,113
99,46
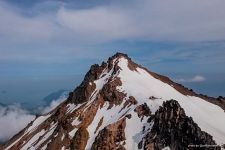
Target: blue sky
46,45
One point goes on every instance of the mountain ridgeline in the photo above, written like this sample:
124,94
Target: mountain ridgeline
120,105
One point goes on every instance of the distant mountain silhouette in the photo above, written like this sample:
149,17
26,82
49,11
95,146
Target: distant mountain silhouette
53,96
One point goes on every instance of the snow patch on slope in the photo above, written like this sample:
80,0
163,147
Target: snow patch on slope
37,122
28,145
166,148
133,130
45,134
75,122
109,116
72,133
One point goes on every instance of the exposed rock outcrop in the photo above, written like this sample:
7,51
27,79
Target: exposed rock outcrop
111,94
111,137
83,92
143,110
174,129
80,139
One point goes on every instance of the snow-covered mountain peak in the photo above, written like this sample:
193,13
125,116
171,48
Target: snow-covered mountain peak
122,105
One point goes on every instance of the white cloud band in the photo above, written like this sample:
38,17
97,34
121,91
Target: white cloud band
171,20
197,78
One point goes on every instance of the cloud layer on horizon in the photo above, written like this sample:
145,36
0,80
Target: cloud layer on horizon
14,118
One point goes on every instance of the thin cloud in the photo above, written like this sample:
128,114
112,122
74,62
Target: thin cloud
18,27
60,34
197,78
150,20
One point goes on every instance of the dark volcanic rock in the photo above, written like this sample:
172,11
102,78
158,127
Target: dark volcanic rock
80,139
143,110
84,90
110,137
174,129
220,101
111,94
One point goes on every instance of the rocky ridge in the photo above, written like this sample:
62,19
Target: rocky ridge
118,106
174,129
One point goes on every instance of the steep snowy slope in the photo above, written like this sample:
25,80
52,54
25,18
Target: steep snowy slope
121,105
203,113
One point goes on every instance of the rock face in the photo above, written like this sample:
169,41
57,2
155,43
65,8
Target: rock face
143,110
121,105
174,129
110,93
84,90
80,139
111,137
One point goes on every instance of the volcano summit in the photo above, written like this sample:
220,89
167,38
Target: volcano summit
121,105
